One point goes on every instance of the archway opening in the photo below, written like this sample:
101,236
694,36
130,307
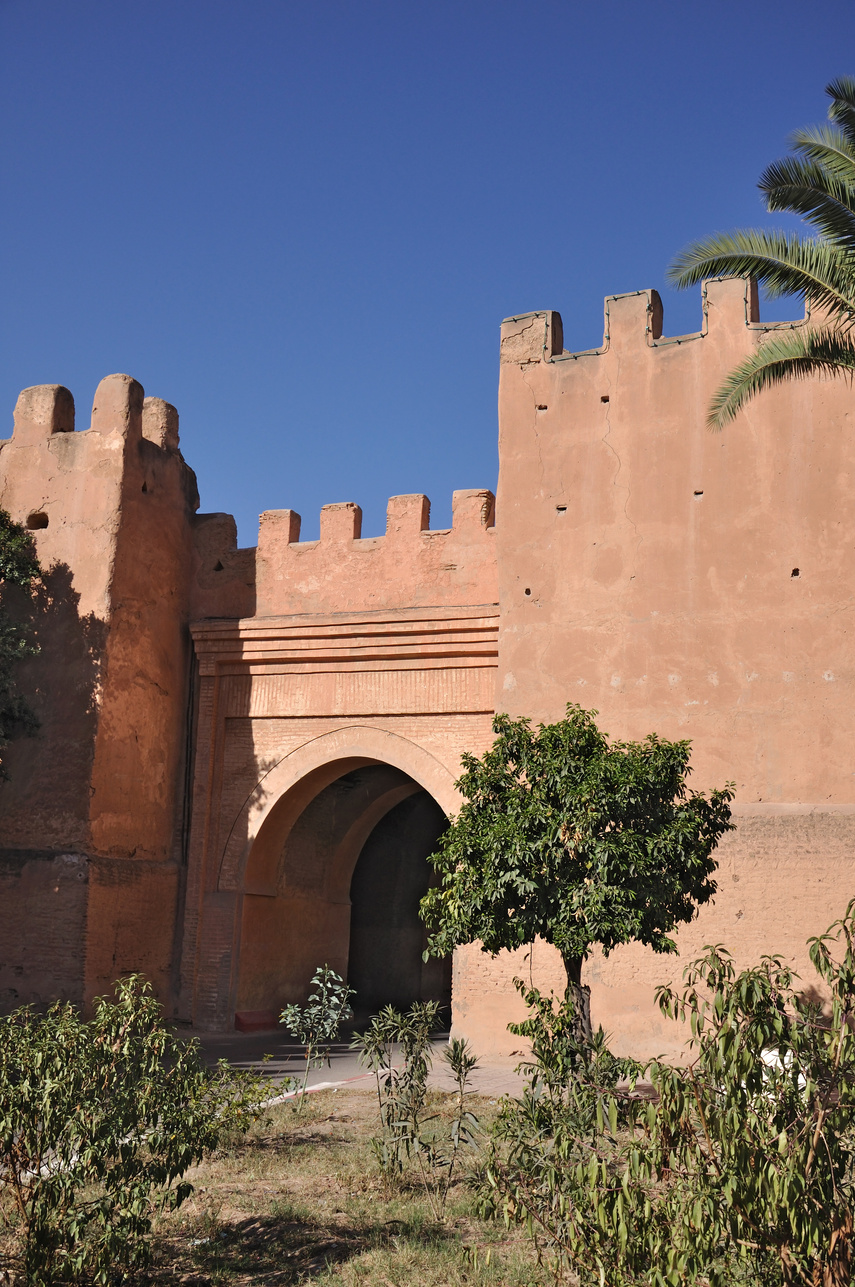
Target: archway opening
387,938
335,876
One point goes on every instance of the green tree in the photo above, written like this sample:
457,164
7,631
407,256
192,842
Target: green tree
19,569
818,183
578,841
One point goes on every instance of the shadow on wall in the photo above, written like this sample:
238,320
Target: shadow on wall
387,937
44,806
335,876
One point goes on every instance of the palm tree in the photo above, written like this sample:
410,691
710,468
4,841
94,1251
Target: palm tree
818,182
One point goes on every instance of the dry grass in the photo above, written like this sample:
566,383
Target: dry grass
301,1201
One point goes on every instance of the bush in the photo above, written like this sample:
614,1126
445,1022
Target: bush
98,1123
408,1130
741,1167
317,1023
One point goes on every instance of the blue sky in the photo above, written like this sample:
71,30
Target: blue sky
302,223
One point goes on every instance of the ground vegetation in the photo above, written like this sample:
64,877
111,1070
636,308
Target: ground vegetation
737,1167
100,1121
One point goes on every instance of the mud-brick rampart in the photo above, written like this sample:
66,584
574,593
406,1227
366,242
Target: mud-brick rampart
246,754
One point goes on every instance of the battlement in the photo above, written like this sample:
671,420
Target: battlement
75,488
634,320
119,407
410,566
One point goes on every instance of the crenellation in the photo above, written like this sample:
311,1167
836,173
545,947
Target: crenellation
407,516
279,525
409,565
532,337
340,522
730,303
473,509
41,411
223,582
118,405
160,423
633,319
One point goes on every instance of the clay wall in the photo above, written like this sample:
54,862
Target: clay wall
693,583
89,813
196,813
411,566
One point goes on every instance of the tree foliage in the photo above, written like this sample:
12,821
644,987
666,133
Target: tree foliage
98,1120
576,840
19,569
741,1166
818,183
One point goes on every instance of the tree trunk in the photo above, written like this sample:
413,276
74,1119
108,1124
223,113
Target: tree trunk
580,994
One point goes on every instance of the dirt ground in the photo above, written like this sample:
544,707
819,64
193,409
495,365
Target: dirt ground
301,1200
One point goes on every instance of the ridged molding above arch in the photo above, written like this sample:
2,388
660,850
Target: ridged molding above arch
339,752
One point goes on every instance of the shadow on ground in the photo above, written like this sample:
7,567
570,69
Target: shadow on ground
280,1249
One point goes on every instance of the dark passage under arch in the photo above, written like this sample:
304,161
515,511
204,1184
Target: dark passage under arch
387,937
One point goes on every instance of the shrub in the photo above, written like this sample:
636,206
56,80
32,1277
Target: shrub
407,1129
99,1121
740,1169
317,1023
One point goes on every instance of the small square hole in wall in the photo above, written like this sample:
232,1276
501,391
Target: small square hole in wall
795,572
37,521
604,398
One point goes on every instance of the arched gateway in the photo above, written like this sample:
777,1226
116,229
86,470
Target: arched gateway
335,875
320,793
224,823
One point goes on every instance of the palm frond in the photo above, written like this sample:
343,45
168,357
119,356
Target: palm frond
809,189
828,146
793,355
785,264
842,110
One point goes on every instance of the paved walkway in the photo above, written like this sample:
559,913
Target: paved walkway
492,1078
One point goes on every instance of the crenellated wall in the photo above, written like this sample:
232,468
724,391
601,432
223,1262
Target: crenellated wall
96,794
694,583
410,566
98,818
224,729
